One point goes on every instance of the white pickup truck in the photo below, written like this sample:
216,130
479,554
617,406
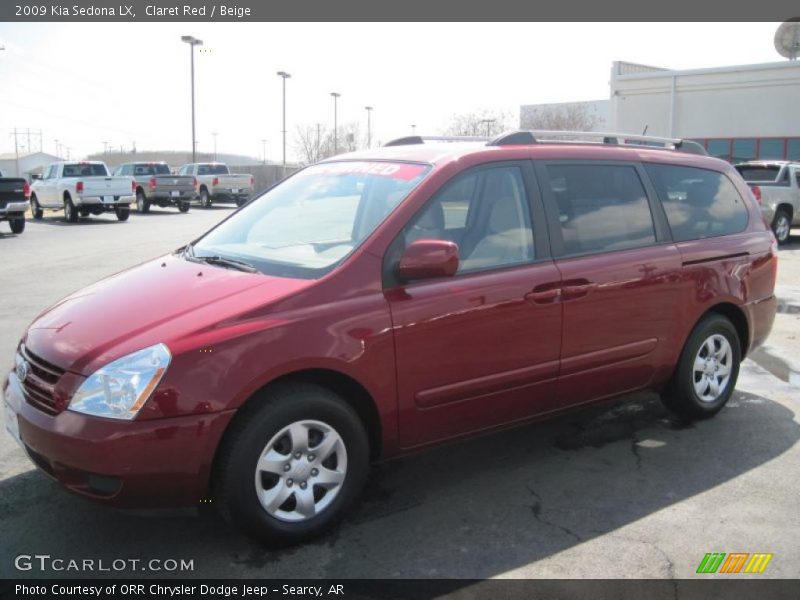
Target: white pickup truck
81,189
216,182
776,186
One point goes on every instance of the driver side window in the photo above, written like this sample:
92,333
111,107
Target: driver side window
486,213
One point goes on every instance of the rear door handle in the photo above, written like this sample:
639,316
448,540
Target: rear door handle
571,292
544,296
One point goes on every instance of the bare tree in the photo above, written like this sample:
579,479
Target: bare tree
559,117
315,142
479,123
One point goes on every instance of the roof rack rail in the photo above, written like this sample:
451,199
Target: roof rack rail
421,139
525,137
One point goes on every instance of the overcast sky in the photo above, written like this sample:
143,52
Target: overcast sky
84,84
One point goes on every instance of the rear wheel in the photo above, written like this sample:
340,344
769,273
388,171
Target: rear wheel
70,212
183,206
707,370
17,224
123,212
782,225
36,209
205,198
241,201
142,203
291,464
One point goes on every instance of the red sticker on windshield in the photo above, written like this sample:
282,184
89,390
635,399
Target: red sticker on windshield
402,171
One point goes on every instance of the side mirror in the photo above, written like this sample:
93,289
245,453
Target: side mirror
428,259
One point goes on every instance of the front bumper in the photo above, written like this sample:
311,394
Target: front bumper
130,464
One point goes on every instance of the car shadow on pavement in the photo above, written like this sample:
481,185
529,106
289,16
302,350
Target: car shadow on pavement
60,221
470,510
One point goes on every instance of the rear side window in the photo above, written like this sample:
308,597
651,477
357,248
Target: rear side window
601,207
85,170
699,203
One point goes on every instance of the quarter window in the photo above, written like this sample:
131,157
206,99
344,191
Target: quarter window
601,207
698,203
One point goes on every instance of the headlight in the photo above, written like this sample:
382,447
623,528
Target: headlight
120,389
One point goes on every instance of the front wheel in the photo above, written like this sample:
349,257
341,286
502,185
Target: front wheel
292,463
707,370
123,212
17,224
782,225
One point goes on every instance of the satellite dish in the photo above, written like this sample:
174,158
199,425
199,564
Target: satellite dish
787,39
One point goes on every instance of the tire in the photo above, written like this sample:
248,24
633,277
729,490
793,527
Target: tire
205,198
241,201
36,209
782,225
123,212
70,212
183,206
142,203
691,393
17,224
262,427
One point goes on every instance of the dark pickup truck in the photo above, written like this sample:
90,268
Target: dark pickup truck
156,185
14,194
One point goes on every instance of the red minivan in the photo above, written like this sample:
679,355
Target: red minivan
392,299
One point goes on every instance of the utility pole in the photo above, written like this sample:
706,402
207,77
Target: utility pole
284,75
336,96
319,128
29,140
214,133
488,125
192,41
16,151
369,126
58,154
413,129
41,141
264,146
105,147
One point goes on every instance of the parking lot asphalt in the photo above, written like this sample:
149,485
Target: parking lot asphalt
617,490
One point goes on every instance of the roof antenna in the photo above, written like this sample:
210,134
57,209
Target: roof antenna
645,130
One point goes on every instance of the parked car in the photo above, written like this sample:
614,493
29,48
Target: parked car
155,184
776,186
216,183
14,194
80,189
390,300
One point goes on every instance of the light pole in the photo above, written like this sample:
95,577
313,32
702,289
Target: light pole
335,122
214,134
192,41
369,126
413,129
284,75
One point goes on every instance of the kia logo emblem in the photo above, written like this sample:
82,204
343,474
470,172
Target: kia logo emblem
22,370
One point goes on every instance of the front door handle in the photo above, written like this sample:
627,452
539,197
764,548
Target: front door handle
544,296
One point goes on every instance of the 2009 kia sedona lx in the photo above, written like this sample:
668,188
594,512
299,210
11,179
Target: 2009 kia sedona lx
387,300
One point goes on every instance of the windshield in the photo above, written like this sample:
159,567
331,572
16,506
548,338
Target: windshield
212,170
306,225
85,170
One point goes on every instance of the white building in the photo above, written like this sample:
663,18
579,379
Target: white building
737,113
29,164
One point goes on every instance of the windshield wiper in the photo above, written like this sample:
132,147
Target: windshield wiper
221,261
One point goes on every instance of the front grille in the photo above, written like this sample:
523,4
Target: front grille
39,385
